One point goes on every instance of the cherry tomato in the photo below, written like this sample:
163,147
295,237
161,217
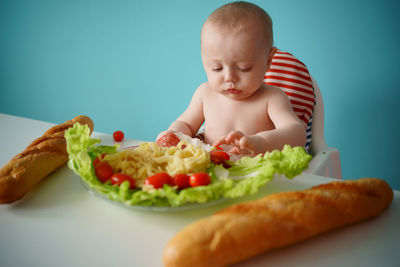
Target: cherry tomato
181,180
97,160
199,179
159,179
103,171
118,136
168,140
218,157
119,178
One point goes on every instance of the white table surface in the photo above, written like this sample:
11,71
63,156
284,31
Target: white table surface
60,223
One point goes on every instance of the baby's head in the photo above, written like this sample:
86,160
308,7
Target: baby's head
236,45
233,16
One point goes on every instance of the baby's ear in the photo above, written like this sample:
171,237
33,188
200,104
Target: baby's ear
271,54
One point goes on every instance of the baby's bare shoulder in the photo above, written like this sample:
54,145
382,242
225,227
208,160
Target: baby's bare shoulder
203,87
205,92
202,90
272,93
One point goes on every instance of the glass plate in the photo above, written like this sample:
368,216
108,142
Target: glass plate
186,207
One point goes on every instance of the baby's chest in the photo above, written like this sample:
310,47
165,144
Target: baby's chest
248,117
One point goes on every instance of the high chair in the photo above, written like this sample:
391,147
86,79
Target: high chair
292,76
326,160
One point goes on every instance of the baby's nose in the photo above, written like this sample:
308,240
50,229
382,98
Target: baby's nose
230,75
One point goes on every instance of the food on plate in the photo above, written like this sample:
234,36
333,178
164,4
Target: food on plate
158,180
118,136
244,230
199,179
168,140
220,157
39,159
181,180
175,175
149,159
103,171
119,178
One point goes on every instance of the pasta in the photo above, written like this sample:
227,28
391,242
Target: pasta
149,158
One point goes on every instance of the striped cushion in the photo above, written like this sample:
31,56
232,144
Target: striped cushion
292,76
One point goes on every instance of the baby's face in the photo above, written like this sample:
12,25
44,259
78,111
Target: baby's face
235,61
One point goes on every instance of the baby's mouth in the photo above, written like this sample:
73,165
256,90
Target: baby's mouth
233,91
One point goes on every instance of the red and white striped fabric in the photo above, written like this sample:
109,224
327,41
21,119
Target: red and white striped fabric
292,76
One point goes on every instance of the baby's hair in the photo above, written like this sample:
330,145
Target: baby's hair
232,14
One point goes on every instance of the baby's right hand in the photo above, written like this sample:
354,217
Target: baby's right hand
242,144
233,138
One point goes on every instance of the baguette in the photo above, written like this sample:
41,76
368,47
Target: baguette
39,159
244,230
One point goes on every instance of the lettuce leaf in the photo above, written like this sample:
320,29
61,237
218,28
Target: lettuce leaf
245,176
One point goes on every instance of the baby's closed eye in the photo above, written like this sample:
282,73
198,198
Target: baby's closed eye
244,69
217,69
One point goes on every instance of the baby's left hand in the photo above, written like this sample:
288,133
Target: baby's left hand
242,144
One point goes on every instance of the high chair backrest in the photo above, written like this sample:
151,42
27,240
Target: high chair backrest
292,76
318,138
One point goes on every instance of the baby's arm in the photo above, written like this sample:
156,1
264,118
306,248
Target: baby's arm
192,118
288,129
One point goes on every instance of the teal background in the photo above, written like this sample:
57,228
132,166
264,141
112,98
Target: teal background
133,65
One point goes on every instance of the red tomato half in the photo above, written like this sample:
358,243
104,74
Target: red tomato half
159,179
118,136
103,171
218,157
168,140
119,178
181,180
199,179
218,148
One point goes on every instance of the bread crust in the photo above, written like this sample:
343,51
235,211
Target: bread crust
40,158
244,230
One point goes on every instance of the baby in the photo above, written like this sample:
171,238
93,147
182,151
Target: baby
237,108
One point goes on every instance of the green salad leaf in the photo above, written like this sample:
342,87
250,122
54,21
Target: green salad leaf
245,176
